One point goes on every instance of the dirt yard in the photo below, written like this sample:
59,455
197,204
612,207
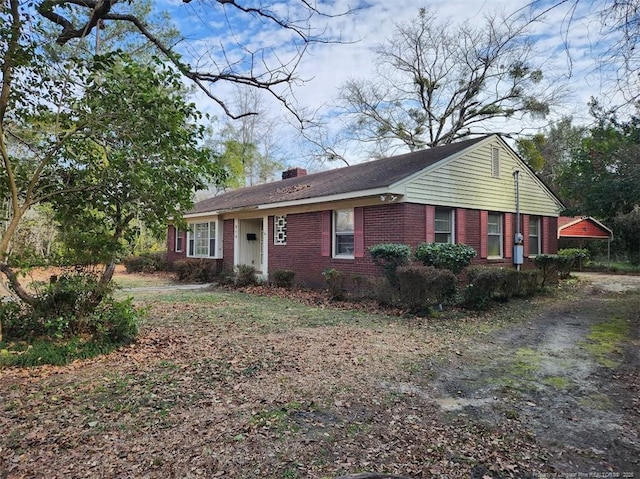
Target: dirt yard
231,385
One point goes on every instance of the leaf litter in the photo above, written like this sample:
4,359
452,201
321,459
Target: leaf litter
260,385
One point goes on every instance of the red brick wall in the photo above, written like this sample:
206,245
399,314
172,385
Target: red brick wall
173,255
390,223
387,223
227,245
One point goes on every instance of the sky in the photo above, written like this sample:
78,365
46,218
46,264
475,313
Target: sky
567,40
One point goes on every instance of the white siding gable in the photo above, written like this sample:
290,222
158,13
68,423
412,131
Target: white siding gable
472,180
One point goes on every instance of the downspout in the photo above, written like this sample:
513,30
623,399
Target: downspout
518,239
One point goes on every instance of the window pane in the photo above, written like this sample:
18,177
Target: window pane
443,238
190,246
201,233
493,246
344,221
344,244
443,226
494,233
212,246
494,224
534,236
179,239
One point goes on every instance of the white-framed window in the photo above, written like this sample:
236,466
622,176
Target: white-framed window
534,235
280,230
201,240
343,239
495,162
444,221
494,233
179,246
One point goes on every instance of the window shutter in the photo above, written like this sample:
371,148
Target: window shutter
484,220
325,248
430,217
461,226
358,227
171,238
546,235
508,235
524,229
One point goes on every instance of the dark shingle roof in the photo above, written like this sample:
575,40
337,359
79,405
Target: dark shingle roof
360,177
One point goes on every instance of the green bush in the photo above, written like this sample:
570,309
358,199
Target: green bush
283,278
485,284
335,282
116,322
245,276
520,284
454,257
74,317
146,263
549,266
488,284
389,257
73,294
571,258
422,287
195,270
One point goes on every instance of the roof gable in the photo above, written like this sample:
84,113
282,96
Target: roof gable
351,179
469,179
585,227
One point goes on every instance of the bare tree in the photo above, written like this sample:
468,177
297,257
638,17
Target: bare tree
232,62
436,83
614,36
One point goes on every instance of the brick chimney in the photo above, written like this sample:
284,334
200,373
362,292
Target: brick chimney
293,173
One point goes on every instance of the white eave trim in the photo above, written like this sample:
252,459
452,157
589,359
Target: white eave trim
307,201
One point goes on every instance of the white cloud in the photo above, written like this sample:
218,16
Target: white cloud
568,42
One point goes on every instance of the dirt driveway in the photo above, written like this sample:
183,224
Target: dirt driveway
569,376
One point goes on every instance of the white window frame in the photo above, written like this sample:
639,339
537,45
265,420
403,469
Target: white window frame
499,234
212,226
337,234
537,236
451,220
179,236
280,230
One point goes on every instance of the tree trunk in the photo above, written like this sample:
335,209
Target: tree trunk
14,282
107,274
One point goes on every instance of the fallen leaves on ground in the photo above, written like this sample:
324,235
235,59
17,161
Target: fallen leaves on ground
219,388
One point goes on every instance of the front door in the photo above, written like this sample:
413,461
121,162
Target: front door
250,244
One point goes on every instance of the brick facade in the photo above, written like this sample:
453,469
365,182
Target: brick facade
386,223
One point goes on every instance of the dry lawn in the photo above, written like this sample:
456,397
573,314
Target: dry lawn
236,385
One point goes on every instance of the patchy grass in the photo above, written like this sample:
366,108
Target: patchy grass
604,341
222,383
135,280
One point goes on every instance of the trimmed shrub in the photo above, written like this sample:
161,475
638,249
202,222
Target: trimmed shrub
195,270
454,257
520,284
422,287
571,258
335,283
484,286
488,284
389,257
146,263
549,266
283,278
245,276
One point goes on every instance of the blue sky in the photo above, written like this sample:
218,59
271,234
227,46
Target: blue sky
567,40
